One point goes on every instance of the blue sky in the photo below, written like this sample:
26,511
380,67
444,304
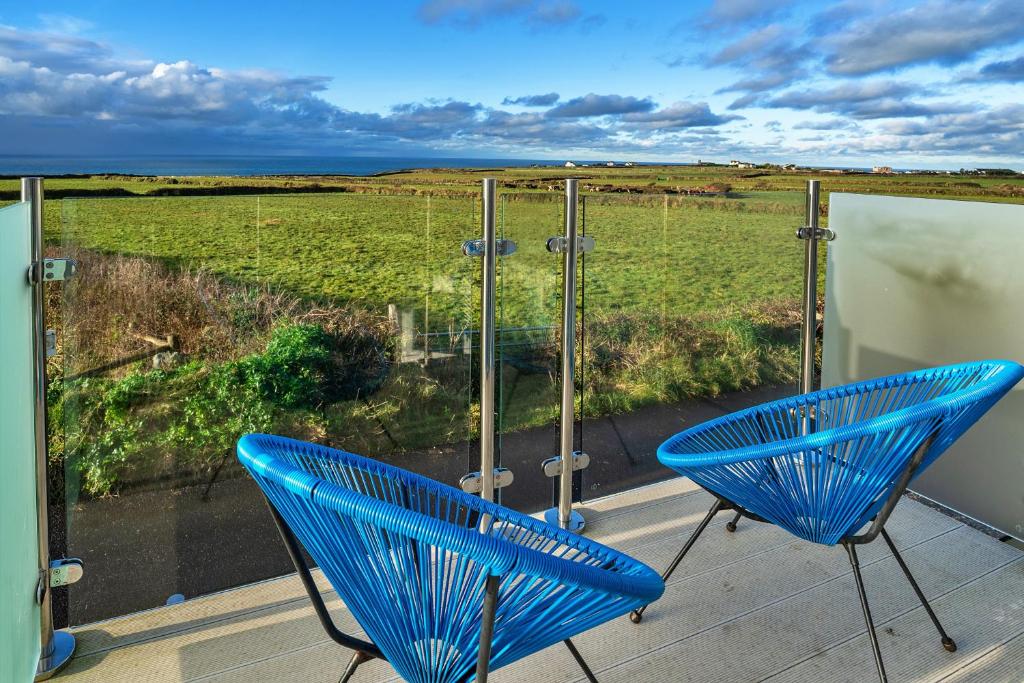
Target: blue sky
923,84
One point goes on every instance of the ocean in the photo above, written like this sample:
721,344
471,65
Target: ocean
246,165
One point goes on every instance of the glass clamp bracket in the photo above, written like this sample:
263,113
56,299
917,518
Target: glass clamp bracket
53,270
553,466
63,572
473,482
476,247
557,245
808,232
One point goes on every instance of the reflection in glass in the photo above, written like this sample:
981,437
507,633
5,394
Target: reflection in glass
341,319
690,310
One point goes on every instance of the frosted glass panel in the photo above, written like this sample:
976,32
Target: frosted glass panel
19,614
915,283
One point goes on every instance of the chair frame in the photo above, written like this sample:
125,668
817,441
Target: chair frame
364,651
849,542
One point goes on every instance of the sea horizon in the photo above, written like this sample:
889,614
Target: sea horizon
257,165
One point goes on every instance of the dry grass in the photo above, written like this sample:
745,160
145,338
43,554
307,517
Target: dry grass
118,300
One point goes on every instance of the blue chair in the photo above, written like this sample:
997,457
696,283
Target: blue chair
446,586
826,464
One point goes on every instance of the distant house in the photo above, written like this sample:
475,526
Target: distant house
789,167
741,164
570,164
630,163
887,170
610,164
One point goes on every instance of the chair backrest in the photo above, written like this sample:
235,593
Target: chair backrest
409,557
823,464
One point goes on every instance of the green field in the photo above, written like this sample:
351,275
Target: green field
281,304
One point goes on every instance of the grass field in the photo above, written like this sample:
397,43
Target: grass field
683,296
656,179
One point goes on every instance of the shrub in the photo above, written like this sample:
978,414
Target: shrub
157,424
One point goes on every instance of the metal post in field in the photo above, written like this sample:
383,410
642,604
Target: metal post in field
57,647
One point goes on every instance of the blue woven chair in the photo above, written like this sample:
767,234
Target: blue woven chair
826,464
446,585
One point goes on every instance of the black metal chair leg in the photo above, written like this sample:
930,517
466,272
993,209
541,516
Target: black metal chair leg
851,550
947,642
488,612
730,526
638,614
579,660
358,657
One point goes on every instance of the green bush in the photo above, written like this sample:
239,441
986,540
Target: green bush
294,372
157,424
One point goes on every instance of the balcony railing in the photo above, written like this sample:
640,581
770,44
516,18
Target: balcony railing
355,321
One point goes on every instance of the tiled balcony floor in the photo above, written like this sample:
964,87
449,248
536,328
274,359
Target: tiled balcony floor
757,605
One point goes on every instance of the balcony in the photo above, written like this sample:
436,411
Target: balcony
357,321
756,605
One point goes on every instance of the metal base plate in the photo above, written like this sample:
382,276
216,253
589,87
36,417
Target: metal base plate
63,648
576,521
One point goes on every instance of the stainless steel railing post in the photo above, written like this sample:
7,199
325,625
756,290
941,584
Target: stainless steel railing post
487,350
564,515
568,414
808,331
489,248
57,647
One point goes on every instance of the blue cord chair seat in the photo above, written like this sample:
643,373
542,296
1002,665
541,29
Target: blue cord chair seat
826,464
823,464
414,559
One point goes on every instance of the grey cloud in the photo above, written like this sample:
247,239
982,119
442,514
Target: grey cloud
600,105
1008,71
866,100
64,53
537,129
748,100
545,100
770,54
995,133
679,115
745,49
849,98
732,12
835,124
941,32
471,13
837,17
